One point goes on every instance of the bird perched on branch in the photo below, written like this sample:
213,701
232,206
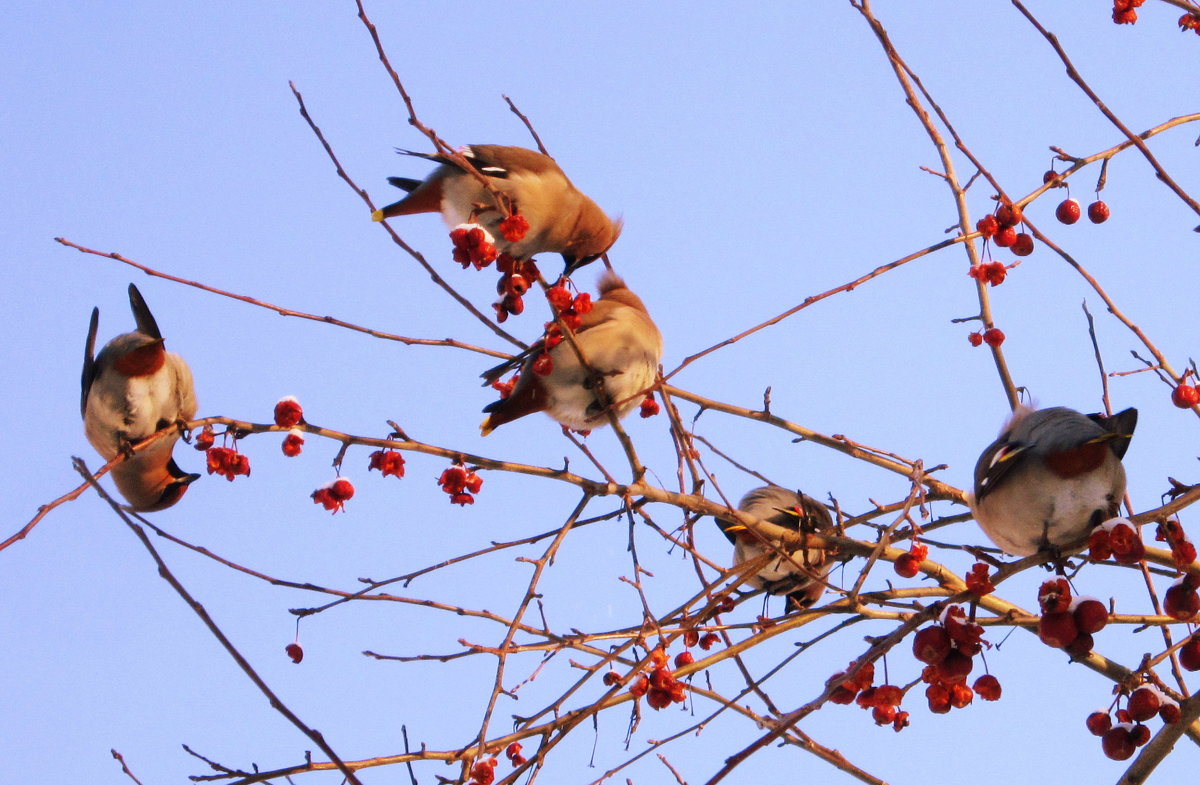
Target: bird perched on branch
799,573
561,218
133,388
621,346
1050,478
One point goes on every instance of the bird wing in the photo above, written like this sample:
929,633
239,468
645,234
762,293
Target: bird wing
995,463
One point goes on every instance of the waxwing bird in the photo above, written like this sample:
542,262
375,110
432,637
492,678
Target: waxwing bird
1051,476
133,388
799,574
622,347
561,218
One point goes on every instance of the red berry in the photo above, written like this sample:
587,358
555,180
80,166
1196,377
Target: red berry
708,640
987,226
204,439
1126,544
559,297
1098,212
907,566
342,489
388,462
292,443
1099,723
1139,735
1023,245
294,651
1068,211
987,687
1057,629
1117,743
1169,712
993,337
1080,647
649,407
938,696
288,412
658,699
956,667
516,285
1005,237
683,658
612,678
514,228
691,638
1008,214
543,365
1189,654
884,715
1090,615
975,339
1050,176
1185,396
1181,601
931,644
639,686
1143,704
901,721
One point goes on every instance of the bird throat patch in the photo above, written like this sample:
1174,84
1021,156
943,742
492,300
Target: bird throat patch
1078,460
144,361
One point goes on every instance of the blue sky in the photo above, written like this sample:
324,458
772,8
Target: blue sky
758,156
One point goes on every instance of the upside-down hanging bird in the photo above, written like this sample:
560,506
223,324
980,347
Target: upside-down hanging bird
1050,478
622,347
561,218
133,388
799,573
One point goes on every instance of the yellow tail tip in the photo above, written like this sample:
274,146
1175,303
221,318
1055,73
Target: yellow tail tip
377,215
486,426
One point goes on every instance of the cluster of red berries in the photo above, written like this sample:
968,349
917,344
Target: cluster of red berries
294,651
909,564
1124,12
334,495
1069,210
1181,600
661,688
570,310
1001,228
1068,623
1121,740
649,406
1190,22
388,462
694,638
883,701
516,276
460,483
473,246
992,273
1116,538
947,649
227,462
993,337
1183,553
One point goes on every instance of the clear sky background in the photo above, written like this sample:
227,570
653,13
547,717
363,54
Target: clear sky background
759,154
